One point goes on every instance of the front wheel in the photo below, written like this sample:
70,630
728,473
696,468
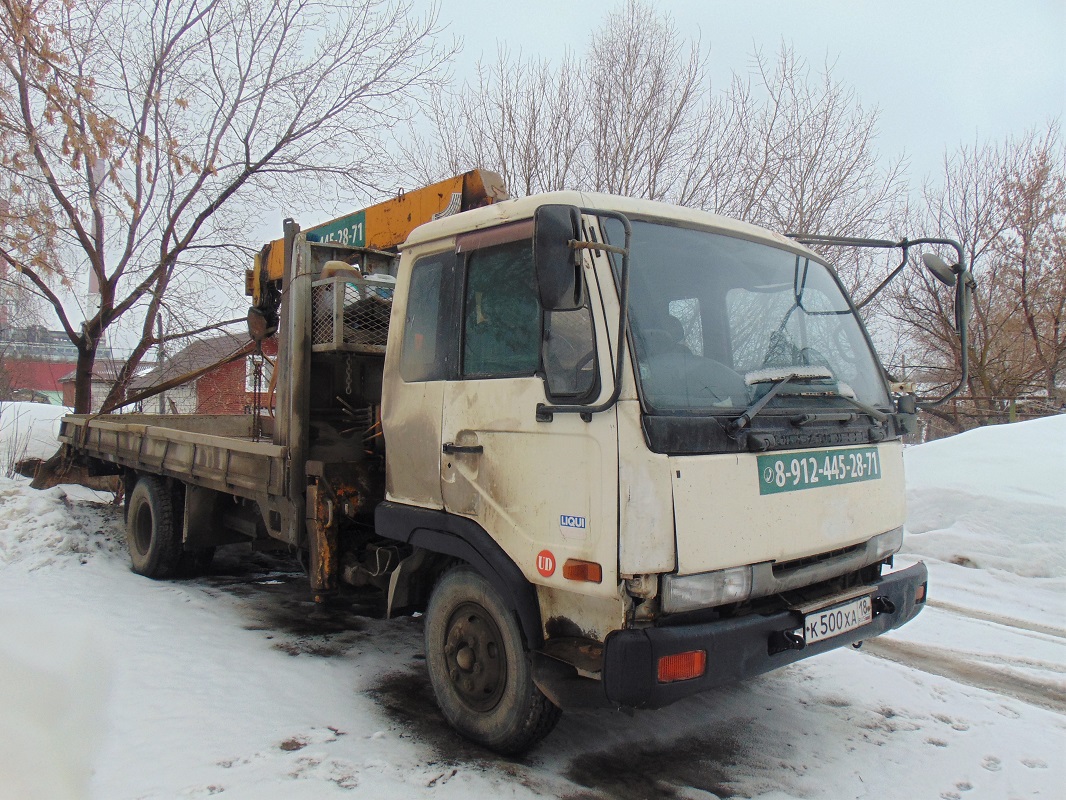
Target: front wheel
480,671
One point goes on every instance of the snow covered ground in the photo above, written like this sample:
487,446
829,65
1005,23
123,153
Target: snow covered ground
28,430
113,686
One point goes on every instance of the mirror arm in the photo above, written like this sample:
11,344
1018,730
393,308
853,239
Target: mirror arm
610,248
905,245
849,241
964,283
545,411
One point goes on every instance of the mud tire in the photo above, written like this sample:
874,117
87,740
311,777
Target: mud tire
478,666
153,538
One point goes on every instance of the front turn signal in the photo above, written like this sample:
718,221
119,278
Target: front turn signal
577,570
682,666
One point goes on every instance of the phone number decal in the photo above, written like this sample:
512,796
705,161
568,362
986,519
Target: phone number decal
814,468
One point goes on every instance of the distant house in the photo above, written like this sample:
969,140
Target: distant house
225,390
105,373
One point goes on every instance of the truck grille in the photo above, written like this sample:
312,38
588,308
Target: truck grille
785,567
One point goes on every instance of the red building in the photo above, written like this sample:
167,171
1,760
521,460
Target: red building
225,390
33,361
36,381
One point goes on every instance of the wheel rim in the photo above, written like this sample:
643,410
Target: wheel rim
142,528
474,657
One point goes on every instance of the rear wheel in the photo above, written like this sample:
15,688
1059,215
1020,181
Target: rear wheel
153,538
479,668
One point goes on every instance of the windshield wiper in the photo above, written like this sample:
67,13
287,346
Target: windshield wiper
869,410
840,416
780,378
741,422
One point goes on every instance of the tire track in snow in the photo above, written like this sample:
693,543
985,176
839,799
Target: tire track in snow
999,619
949,664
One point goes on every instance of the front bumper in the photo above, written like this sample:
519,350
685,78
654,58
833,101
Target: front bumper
737,648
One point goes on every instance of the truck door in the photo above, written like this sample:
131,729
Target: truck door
545,491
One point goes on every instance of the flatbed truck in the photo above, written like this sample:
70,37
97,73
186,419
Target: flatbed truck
618,452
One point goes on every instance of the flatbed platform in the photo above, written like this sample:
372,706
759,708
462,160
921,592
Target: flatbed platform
213,451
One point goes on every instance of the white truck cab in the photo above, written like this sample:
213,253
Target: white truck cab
663,436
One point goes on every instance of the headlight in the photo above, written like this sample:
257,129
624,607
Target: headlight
706,590
886,544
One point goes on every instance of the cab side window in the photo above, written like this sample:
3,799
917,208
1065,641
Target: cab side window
570,353
501,313
426,351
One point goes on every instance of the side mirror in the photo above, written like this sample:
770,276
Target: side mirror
953,276
940,269
557,262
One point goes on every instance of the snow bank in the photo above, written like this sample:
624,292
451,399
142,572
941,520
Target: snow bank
992,498
53,687
36,527
28,430
55,664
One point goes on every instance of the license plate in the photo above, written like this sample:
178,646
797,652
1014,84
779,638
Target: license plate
810,469
835,620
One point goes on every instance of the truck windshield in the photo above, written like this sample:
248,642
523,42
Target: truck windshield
716,320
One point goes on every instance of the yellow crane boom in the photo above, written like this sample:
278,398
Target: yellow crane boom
386,225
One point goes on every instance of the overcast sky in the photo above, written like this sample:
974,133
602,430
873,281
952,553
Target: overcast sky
941,72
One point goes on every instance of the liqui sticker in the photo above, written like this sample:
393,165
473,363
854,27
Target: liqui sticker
573,527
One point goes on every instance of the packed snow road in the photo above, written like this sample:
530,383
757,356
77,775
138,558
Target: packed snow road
1008,657
236,686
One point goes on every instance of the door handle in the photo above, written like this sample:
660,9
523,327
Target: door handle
452,447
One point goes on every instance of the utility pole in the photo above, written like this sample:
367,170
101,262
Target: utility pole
161,359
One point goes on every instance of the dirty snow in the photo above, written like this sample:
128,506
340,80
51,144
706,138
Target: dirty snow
113,686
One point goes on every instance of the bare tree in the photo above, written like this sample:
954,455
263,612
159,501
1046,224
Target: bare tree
625,118
7,383
518,116
796,153
635,114
963,206
810,163
139,136
1033,249
646,90
1005,203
